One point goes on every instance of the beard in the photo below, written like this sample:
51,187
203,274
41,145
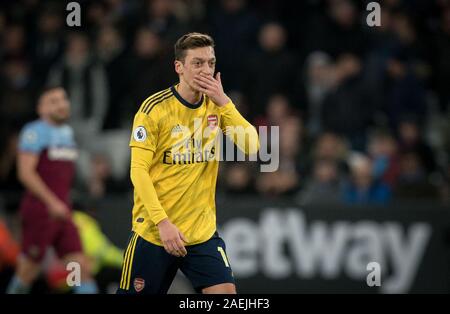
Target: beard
59,118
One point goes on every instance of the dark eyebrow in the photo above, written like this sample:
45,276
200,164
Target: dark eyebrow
200,59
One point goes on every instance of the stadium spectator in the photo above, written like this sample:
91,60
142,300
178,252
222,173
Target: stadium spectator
441,63
159,17
411,139
278,109
285,180
149,67
347,109
239,178
234,25
413,182
383,150
325,185
101,181
404,93
47,43
16,91
85,80
270,70
337,30
14,41
330,146
111,51
361,187
313,85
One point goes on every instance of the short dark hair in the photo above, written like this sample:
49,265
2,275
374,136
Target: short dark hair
47,89
191,41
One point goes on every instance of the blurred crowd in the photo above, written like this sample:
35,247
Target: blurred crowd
363,111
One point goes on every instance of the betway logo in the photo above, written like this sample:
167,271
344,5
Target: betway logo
282,244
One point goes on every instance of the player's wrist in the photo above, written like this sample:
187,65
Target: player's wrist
222,101
164,222
50,200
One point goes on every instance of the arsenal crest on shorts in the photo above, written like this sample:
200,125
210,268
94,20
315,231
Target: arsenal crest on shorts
212,121
139,284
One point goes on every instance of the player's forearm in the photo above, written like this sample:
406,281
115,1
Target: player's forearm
241,131
144,188
143,185
34,183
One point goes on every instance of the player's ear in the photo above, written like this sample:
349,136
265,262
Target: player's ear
178,67
41,107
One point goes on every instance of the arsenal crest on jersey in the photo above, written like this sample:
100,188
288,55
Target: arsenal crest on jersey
212,121
139,284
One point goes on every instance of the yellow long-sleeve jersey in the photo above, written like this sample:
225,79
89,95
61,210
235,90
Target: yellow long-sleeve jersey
174,162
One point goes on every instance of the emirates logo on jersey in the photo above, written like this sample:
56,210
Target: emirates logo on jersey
139,284
212,121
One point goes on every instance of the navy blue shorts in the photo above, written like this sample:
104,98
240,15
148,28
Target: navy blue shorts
149,269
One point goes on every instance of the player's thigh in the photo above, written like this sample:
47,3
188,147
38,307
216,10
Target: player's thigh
207,265
68,243
147,268
38,234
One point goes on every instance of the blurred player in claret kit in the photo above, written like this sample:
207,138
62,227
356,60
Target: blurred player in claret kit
174,168
46,167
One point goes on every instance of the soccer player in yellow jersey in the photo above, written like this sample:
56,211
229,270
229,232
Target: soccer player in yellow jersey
174,166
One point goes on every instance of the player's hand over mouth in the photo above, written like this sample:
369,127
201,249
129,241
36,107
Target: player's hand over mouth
212,87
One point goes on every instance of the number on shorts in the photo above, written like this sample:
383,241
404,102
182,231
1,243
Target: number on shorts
222,252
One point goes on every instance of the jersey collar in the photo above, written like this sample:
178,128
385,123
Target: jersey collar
185,102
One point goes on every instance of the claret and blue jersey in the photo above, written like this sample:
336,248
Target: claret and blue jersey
57,152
